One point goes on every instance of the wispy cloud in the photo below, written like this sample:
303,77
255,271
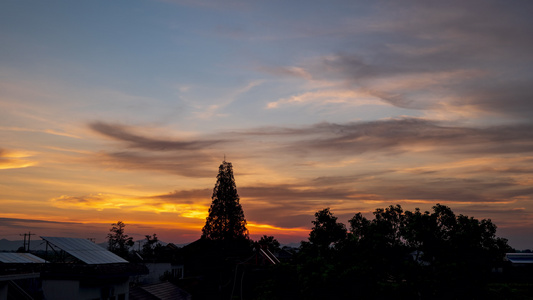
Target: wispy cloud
17,222
216,107
125,134
401,135
47,131
186,165
279,204
352,105
324,97
446,58
194,156
15,159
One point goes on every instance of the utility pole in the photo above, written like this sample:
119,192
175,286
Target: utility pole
29,237
29,234
24,241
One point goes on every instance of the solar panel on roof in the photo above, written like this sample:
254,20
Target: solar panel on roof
85,250
520,258
20,258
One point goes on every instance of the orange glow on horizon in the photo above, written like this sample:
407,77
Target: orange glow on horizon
252,227
102,202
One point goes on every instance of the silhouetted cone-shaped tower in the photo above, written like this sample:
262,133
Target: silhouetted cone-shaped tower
226,218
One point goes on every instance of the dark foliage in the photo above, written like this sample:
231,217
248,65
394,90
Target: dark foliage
269,242
214,267
226,218
326,232
152,248
119,242
398,254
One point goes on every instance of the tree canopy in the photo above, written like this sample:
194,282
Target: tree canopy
327,231
402,254
118,241
151,246
398,254
269,242
226,218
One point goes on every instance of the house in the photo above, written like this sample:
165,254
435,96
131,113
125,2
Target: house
159,270
263,256
19,275
80,269
162,265
520,259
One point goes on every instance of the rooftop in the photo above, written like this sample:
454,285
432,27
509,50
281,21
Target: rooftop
20,258
84,250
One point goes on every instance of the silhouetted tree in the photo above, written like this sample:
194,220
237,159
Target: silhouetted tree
326,232
318,263
226,218
377,252
452,254
151,245
397,254
119,242
460,250
270,242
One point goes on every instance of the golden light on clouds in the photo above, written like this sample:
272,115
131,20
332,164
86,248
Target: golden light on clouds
96,202
47,131
15,159
257,230
253,226
324,97
100,202
15,164
357,112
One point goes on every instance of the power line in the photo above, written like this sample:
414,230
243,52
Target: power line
29,234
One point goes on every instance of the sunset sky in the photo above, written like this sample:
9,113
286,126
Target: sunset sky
113,110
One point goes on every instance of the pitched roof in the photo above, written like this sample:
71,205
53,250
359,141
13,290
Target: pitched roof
520,258
85,250
162,291
20,258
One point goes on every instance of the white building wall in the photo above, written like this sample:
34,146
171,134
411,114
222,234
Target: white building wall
54,289
3,290
73,289
156,270
116,290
